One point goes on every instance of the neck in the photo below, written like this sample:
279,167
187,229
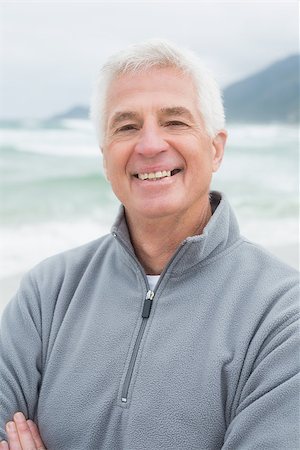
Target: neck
156,240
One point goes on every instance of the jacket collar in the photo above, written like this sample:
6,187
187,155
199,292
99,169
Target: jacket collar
221,232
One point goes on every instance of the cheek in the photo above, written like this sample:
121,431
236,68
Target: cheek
113,160
200,168
201,159
116,173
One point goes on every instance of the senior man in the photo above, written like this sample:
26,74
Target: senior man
174,331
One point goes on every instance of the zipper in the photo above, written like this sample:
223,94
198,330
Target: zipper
145,314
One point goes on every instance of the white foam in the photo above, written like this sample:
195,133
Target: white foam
270,233
58,142
23,247
263,136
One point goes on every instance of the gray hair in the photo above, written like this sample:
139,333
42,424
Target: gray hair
159,53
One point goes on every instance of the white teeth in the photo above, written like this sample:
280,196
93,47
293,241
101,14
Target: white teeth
154,175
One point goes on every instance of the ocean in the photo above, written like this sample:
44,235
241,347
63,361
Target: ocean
54,195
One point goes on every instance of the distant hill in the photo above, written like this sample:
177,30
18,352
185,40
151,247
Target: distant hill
271,95
77,112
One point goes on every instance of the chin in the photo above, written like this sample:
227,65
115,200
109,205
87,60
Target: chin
157,210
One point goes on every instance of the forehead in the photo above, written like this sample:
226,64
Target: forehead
157,88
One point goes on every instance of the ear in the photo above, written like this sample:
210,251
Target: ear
218,144
104,164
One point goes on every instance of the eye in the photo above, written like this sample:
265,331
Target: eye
176,124
128,127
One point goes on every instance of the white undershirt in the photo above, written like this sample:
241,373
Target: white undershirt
152,280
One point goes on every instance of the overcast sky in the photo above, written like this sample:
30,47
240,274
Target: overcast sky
51,51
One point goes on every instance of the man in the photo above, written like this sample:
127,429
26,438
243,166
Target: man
173,332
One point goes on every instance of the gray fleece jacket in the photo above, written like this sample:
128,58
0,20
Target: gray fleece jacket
209,360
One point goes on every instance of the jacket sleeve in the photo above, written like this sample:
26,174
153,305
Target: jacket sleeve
20,354
265,414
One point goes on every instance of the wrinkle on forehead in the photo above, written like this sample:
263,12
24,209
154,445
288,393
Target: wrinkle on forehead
164,79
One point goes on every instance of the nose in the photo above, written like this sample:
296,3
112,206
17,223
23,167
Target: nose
151,141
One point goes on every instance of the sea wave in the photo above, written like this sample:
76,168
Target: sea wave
54,194
56,141
27,245
34,124
262,136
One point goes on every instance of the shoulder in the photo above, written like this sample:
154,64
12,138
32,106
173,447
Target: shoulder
259,258
272,284
55,279
70,264
77,255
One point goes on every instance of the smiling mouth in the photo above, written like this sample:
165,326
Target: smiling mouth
152,176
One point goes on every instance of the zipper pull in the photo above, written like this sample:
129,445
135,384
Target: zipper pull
147,304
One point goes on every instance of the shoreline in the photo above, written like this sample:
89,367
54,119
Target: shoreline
288,253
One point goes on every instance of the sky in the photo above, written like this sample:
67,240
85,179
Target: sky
50,52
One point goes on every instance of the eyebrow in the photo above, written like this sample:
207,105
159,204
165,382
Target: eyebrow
121,116
177,111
